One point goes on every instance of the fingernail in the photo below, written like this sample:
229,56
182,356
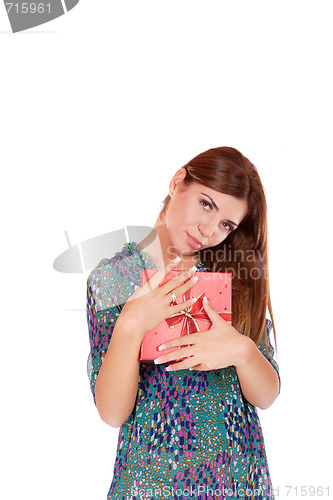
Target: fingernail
169,369
158,360
205,299
193,269
177,259
161,347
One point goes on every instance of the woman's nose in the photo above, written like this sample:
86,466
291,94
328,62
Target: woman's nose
207,230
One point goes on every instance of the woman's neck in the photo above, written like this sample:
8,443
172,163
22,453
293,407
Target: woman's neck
158,249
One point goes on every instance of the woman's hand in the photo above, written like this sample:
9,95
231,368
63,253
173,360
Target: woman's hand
149,305
220,346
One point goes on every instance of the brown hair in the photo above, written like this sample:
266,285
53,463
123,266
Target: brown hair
226,170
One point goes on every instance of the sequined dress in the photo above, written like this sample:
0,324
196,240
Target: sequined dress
191,434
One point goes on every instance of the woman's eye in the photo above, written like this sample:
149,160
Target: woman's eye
230,227
207,204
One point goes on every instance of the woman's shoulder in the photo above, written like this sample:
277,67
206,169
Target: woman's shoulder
113,279
129,257
269,325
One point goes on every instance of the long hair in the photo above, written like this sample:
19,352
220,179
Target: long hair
244,251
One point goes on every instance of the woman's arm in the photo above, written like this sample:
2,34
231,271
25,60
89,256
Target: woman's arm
258,379
117,381
114,378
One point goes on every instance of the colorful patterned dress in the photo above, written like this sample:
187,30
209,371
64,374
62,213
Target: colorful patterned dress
191,434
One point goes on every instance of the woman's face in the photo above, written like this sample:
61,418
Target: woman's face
192,213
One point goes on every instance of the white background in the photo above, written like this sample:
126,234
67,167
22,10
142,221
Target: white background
98,109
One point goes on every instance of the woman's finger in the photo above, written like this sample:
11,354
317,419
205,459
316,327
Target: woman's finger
211,312
159,275
177,308
174,282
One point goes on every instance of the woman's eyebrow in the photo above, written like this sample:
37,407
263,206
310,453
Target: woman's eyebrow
217,208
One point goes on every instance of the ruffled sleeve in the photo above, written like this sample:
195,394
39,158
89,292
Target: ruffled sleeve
108,287
101,318
269,351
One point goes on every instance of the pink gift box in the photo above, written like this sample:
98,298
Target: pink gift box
216,286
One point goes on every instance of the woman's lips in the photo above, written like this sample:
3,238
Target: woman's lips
193,241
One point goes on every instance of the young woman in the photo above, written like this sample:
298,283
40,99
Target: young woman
189,428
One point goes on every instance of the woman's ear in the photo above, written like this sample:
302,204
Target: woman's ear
177,179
